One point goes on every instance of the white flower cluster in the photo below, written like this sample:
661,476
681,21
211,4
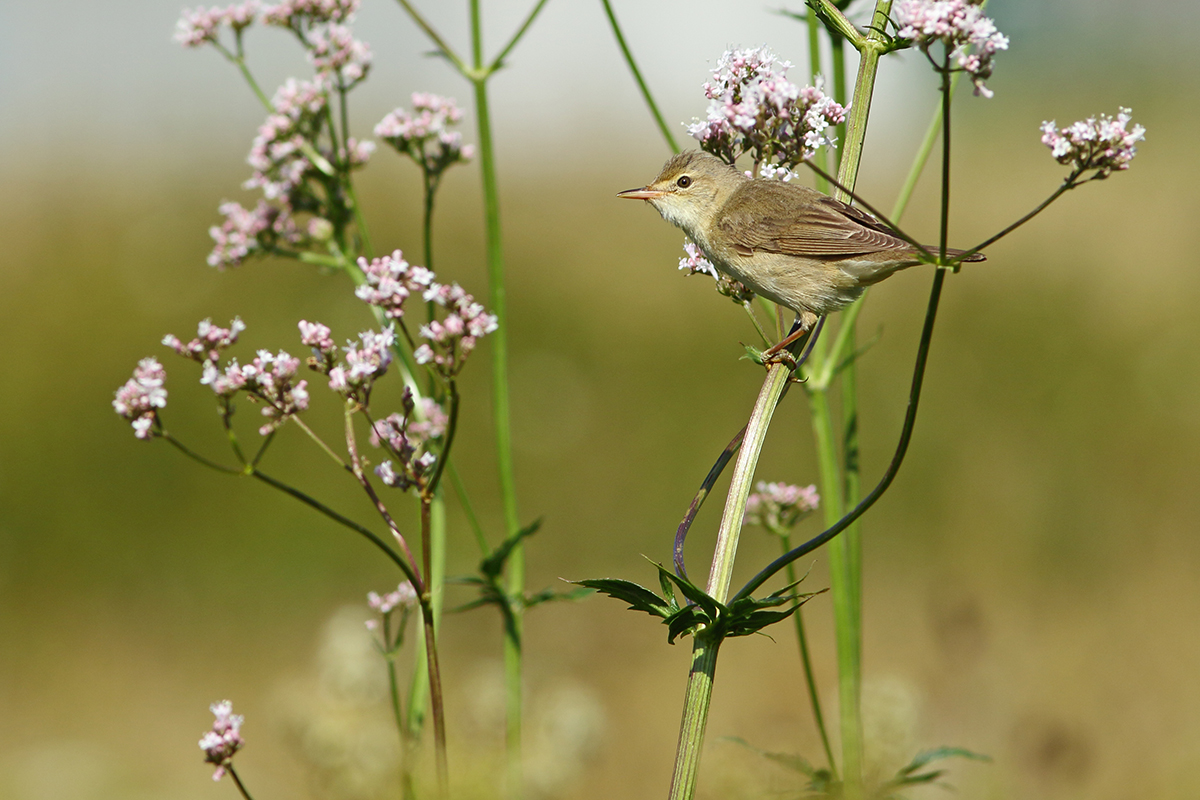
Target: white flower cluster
1102,143
961,26
754,109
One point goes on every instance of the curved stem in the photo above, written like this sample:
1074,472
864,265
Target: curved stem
910,417
192,454
395,557
241,786
637,76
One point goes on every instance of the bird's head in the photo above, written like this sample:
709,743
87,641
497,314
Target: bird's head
690,190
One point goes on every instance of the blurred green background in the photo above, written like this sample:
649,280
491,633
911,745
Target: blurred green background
1031,579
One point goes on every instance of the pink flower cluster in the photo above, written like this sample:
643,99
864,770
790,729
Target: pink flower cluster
424,135
695,262
269,379
405,595
404,598
362,363
245,232
390,281
201,26
225,738
291,13
779,506
142,395
958,24
754,109
452,339
1101,143
407,439
335,51
209,342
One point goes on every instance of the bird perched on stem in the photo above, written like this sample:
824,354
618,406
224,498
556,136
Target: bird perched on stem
793,245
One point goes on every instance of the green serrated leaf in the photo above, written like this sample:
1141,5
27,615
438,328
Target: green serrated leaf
639,597
694,593
493,565
756,621
682,621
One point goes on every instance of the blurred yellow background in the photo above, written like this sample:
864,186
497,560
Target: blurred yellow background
1032,579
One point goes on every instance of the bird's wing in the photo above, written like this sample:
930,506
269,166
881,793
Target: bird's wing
777,217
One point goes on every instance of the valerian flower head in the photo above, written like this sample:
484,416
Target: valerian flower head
405,596
202,25
425,135
407,437
225,738
960,25
1102,143
451,339
244,232
336,52
363,363
142,395
779,506
269,379
294,13
754,109
694,263
390,281
317,336
209,342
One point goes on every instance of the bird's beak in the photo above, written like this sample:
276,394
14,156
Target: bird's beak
645,193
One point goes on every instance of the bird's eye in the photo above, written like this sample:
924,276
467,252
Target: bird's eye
683,182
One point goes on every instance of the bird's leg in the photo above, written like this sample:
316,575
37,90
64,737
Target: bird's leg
802,326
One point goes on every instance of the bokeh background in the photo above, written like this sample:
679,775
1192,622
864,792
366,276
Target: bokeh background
1031,579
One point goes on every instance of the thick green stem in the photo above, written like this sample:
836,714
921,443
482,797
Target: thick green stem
500,406
704,654
695,717
840,481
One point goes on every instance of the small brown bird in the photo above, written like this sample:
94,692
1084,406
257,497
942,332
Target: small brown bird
791,244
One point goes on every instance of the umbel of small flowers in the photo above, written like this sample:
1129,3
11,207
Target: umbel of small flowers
754,109
298,160
1103,143
425,136
407,439
269,379
694,263
970,38
403,599
363,362
142,396
779,506
224,739
391,280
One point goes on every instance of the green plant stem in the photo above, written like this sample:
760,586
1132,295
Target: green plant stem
637,76
238,781
704,653
806,660
697,698
500,408
906,430
429,626
840,481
